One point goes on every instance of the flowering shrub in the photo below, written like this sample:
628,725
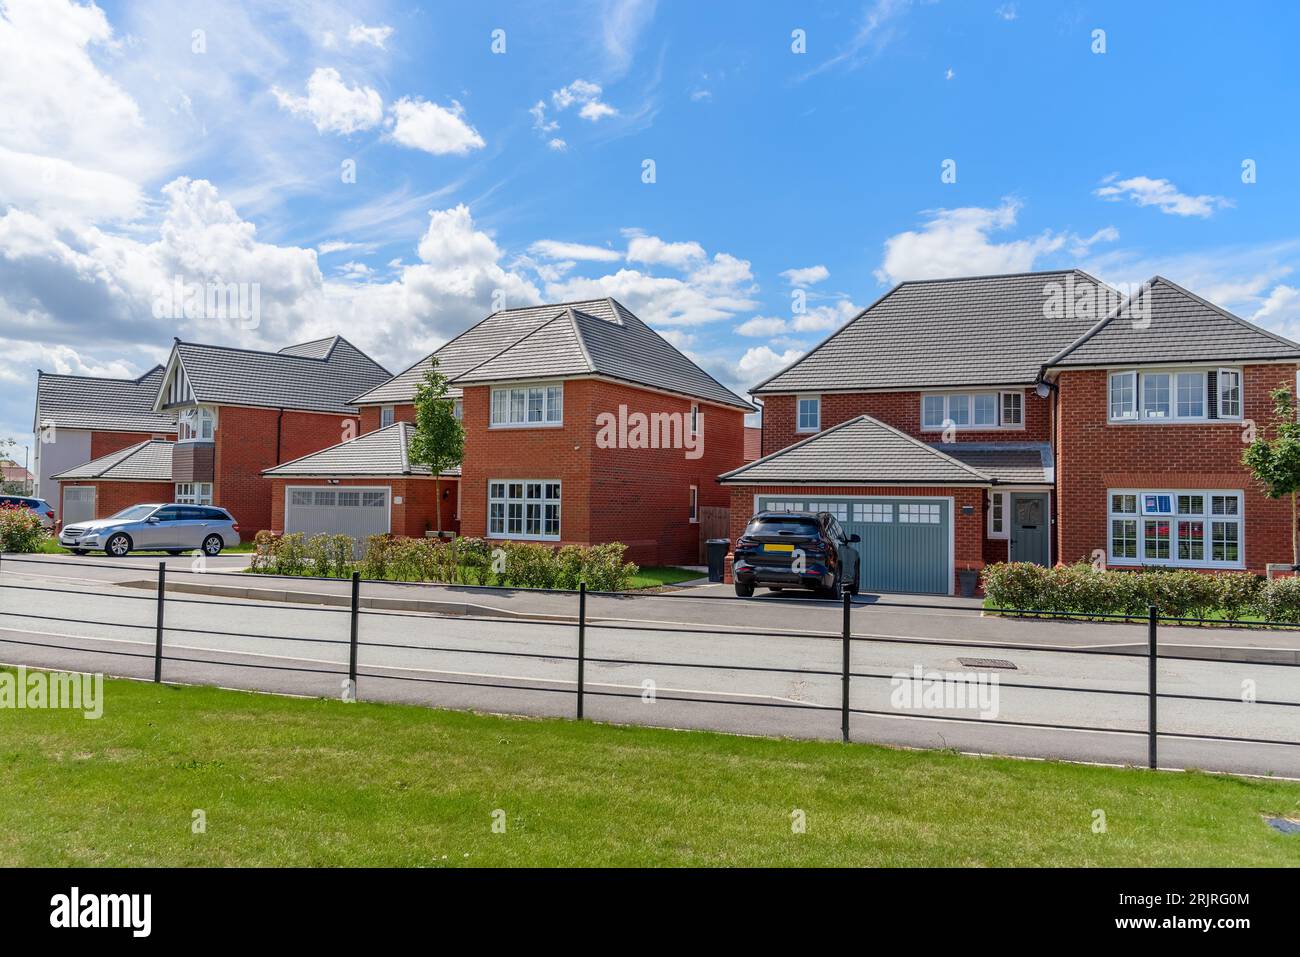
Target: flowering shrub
20,530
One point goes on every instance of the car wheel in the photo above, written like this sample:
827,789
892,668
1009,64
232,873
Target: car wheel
212,545
774,587
118,546
743,590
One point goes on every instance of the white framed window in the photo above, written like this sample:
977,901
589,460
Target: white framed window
918,514
998,515
695,504
1229,383
695,419
196,424
458,409
809,413
1177,395
877,512
785,507
387,416
194,493
1181,528
986,411
524,508
530,406
1013,409
839,510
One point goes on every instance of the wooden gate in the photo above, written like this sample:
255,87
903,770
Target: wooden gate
715,522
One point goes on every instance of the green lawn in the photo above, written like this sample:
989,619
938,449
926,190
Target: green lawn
1214,619
287,781
51,546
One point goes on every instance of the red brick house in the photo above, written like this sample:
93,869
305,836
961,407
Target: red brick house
1107,430
241,411
138,474
82,418
582,425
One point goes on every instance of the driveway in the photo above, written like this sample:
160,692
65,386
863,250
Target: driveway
767,668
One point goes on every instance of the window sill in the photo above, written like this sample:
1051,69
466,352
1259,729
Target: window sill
807,431
1223,421
1177,566
525,425
973,428
508,537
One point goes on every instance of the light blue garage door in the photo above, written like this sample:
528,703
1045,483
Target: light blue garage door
905,543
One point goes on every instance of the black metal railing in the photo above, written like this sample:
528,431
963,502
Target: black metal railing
582,622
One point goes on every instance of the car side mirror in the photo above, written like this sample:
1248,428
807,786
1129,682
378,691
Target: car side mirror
854,539
153,520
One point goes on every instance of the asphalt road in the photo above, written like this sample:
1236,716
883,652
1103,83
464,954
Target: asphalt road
655,662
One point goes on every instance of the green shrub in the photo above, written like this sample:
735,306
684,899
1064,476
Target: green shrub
378,554
1021,585
20,530
569,562
264,543
1279,600
342,549
317,556
1238,592
476,559
291,554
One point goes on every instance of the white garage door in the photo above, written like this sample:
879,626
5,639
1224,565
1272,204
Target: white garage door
78,504
358,512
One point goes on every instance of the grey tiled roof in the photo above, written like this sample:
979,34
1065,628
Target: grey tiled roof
1010,463
1166,323
317,349
322,381
859,451
597,336
118,405
382,452
986,330
149,461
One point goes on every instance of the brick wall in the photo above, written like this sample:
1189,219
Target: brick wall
968,531
105,443
411,517
902,410
636,496
1093,455
250,440
112,497
371,414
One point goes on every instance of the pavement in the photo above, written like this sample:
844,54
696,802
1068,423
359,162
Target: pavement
683,659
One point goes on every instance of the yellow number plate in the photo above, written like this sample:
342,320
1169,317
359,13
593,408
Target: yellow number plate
779,548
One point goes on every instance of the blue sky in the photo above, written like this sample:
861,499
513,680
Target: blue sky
151,140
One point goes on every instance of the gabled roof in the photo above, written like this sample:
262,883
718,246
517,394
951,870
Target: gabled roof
1009,463
593,337
1163,322
149,461
860,451
380,453
317,376
940,333
86,402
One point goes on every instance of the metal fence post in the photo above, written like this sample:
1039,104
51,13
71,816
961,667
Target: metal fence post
352,638
1152,664
582,642
844,681
158,630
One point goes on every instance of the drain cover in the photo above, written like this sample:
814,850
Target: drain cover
987,663
1283,825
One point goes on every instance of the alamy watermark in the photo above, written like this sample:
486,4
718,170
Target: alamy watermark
239,302
945,691
1073,299
651,430
52,689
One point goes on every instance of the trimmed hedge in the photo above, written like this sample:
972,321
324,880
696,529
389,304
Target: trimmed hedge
463,561
1081,589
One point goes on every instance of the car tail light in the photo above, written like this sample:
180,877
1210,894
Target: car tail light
50,513
234,528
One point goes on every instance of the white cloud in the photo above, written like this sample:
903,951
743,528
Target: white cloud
332,105
955,242
540,122
1162,194
878,26
335,246
762,326
652,250
1281,308
595,110
586,95
1007,11
557,144
949,73
375,36
435,129
621,27
807,276
556,249
819,319
761,362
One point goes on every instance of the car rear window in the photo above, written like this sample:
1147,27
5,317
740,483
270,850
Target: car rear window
215,515
782,526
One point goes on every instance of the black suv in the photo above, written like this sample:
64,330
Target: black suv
797,550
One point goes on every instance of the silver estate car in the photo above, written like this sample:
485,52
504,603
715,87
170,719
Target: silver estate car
166,528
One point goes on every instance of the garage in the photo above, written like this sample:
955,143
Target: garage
78,504
906,541
918,510
355,511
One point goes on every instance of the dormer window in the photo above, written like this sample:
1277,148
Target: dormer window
197,424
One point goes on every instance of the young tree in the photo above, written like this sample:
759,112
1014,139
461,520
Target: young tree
439,439
1275,462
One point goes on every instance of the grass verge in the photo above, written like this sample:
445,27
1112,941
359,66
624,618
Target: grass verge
287,781
655,576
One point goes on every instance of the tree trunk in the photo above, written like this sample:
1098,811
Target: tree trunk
437,491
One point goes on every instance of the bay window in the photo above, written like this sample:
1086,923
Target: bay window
972,410
540,404
527,508
1180,528
1180,395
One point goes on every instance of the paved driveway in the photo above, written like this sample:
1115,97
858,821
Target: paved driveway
767,669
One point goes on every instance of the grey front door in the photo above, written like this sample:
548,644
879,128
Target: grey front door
1030,528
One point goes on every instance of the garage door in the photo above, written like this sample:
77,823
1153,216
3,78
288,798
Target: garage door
358,512
78,504
906,542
